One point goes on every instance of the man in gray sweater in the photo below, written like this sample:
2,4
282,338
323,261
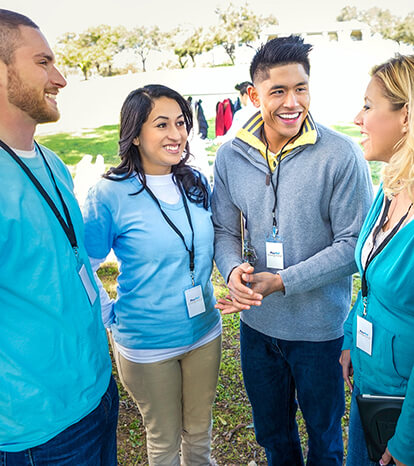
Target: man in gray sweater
303,191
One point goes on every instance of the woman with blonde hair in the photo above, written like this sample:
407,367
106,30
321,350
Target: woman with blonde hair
378,348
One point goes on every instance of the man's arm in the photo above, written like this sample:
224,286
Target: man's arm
226,220
349,203
228,244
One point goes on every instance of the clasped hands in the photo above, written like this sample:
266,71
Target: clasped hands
247,289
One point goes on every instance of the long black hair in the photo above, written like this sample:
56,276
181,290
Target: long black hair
134,113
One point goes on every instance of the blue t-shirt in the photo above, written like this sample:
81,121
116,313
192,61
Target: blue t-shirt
54,361
150,311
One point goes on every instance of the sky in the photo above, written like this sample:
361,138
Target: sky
55,17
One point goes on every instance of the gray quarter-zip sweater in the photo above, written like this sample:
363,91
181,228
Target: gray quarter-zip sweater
324,193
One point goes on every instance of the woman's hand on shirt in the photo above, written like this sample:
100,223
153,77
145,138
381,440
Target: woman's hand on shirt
387,457
347,369
229,305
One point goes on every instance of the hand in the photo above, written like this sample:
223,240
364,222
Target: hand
229,305
387,457
264,283
243,296
347,369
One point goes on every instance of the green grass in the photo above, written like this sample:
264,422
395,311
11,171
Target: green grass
71,147
354,132
350,130
211,132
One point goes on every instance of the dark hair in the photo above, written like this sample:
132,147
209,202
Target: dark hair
280,51
242,87
10,33
134,113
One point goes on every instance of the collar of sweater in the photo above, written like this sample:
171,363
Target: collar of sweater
251,133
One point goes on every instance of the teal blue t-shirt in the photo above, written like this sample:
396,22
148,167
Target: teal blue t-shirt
389,369
54,361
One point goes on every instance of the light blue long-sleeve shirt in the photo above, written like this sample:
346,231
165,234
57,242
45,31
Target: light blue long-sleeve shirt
150,311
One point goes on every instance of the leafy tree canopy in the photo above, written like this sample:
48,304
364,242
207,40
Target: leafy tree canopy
239,25
382,22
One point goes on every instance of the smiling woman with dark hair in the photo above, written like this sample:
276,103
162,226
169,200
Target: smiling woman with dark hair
153,210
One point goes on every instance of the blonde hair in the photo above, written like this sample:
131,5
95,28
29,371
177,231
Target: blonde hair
396,77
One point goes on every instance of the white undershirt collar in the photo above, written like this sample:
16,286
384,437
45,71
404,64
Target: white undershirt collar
25,154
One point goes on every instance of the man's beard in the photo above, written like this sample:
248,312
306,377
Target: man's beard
29,100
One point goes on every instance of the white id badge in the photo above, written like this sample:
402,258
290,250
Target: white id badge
274,253
87,284
195,301
364,335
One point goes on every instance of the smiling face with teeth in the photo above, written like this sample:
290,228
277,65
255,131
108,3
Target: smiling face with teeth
282,94
32,79
163,137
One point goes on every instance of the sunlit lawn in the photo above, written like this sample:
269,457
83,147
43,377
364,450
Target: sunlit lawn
71,147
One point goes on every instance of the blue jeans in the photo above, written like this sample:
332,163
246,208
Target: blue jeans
89,442
273,371
357,449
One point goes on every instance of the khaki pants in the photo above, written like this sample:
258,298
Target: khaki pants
175,398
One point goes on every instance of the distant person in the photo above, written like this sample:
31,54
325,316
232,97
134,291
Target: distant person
303,190
153,210
58,400
246,111
384,310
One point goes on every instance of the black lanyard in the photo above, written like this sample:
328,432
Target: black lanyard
174,227
275,186
68,225
374,253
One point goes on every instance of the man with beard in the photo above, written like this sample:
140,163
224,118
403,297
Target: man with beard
58,403
303,191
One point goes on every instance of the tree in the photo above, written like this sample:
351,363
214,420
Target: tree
71,54
189,43
383,22
239,25
143,40
380,21
404,31
182,56
348,13
97,46
104,43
